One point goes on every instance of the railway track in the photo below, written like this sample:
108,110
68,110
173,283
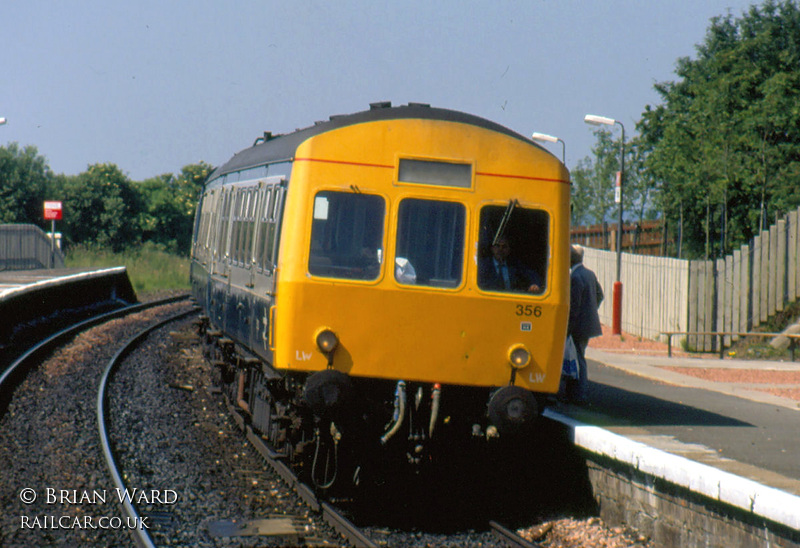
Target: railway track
48,445
141,535
330,514
54,483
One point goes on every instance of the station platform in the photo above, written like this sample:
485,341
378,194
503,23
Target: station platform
17,282
728,429
33,302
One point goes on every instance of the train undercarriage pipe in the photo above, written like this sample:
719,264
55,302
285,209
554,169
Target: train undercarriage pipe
240,401
435,397
399,411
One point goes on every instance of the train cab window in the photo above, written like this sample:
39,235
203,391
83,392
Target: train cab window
430,243
513,249
346,235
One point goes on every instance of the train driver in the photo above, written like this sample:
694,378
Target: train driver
499,272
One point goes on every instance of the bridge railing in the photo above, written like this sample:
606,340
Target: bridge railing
27,247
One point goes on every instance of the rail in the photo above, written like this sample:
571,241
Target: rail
141,536
793,337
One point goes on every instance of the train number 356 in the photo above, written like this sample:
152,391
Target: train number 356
528,310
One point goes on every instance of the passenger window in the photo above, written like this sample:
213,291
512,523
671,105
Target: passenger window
264,246
513,249
430,243
346,235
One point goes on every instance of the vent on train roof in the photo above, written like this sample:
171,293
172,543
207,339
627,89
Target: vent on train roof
264,138
381,104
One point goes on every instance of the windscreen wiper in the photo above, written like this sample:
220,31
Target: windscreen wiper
501,230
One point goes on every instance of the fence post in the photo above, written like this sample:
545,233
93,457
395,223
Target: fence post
764,277
692,306
791,256
719,299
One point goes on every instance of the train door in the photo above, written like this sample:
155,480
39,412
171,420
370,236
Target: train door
268,218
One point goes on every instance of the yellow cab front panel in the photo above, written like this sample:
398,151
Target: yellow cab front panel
435,195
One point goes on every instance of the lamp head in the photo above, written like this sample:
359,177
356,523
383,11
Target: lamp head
598,120
544,137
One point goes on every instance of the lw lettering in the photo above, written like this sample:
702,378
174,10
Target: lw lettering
302,356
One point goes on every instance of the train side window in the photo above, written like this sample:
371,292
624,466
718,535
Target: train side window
221,249
237,225
513,249
346,235
264,242
430,243
246,250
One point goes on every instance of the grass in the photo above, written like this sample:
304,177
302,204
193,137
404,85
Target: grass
150,269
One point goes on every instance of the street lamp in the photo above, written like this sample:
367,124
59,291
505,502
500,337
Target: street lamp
3,121
616,322
552,139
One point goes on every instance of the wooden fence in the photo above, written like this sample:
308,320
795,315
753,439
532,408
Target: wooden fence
644,238
736,293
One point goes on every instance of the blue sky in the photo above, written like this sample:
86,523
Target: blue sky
154,85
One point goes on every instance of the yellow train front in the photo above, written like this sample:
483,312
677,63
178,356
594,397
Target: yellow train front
417,293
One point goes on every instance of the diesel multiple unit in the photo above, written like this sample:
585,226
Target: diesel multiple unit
385,287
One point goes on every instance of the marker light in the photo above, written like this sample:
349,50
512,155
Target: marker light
519,356
327,341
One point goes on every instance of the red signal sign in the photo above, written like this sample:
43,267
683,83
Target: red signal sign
52,211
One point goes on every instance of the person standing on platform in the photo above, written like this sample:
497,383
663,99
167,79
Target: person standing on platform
586,294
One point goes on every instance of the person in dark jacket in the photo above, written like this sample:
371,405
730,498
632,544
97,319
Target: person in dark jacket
586,294
498,272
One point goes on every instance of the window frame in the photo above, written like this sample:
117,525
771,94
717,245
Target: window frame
381,242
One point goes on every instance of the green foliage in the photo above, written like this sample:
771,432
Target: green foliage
724,146
100,207
170,204
24,179
594,179
150,267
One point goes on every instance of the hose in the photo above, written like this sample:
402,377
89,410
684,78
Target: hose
435,396
399,411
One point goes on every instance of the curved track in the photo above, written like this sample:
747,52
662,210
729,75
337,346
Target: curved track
141,536
53,475
18,368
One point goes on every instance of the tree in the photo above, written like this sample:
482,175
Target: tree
101,207
24,178
170,204
593,182
725,143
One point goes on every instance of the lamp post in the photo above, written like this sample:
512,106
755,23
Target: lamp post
3,121
616,322
552,139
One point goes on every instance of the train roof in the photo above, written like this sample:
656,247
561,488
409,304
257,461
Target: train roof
270,149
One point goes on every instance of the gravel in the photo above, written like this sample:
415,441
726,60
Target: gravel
49,444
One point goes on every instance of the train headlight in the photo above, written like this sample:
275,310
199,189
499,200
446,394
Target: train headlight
326,340
519,356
